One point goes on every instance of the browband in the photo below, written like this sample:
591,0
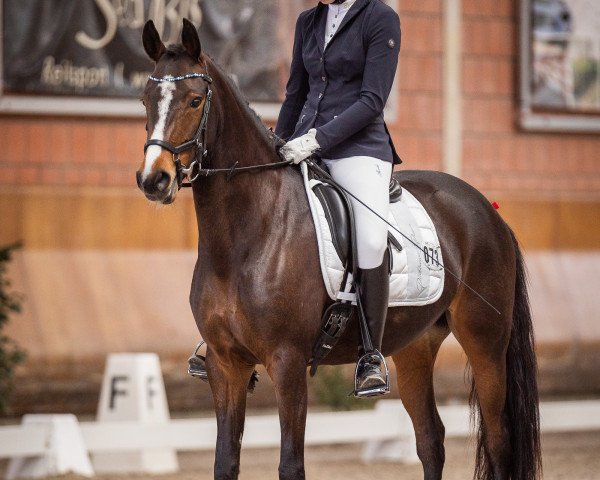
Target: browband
169,78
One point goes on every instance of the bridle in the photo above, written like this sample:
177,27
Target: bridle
198,141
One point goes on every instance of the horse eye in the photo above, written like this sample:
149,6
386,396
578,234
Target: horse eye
195,103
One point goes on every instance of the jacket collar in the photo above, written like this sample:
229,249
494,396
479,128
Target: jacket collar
320,21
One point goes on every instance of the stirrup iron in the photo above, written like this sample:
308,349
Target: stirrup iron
194,369
374,391
197,368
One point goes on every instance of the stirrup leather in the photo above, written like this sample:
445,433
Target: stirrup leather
333,324
374,391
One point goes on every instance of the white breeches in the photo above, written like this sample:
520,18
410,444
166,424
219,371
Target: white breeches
368,179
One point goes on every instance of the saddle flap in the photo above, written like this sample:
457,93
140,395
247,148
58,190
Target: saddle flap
337,217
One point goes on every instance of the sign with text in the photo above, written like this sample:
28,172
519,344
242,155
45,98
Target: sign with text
93,48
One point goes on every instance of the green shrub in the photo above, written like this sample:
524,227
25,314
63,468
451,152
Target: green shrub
333,386
10,353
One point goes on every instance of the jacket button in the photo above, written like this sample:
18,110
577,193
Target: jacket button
321,59
324,78
320,94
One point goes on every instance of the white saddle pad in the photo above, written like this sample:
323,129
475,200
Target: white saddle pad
417,278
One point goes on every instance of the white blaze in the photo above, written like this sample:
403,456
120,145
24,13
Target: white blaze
164,104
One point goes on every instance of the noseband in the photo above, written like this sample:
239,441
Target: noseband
198,141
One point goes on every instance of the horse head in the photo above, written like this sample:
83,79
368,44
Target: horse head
177,100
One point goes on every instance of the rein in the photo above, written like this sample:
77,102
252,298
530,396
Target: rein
198,141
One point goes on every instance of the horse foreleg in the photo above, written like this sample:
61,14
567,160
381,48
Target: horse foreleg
288,372
228,379
414,370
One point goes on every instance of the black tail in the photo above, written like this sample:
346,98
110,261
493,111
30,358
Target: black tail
522,409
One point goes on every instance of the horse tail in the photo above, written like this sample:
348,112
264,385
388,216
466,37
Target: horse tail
522,408
522,402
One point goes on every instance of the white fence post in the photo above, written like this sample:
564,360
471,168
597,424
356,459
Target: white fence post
64,452
401,449
133,390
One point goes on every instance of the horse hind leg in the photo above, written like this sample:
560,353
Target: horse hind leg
484,337
414,370
501,352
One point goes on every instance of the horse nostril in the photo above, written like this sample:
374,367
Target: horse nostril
162,181
138,179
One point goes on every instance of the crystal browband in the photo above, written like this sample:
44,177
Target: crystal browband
169,78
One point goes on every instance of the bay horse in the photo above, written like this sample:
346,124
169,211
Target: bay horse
257,294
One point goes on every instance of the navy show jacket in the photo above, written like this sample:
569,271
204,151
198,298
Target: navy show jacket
341,90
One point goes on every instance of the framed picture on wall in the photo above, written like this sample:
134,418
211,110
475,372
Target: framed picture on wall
560,65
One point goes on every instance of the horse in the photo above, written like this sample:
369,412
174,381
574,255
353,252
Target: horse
257,295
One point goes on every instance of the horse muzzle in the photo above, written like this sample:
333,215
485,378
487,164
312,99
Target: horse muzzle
158,186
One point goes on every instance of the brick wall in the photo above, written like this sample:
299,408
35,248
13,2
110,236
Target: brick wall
113,228
497,155
70,151
418,130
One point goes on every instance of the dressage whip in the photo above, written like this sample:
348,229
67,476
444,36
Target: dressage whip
460,280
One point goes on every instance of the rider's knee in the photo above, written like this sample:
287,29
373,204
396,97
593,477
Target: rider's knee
371,251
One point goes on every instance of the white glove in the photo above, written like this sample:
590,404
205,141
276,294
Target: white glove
300,148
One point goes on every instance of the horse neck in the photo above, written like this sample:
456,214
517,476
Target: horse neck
238,214
238,136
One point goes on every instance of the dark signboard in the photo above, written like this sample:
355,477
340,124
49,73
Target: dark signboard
93,48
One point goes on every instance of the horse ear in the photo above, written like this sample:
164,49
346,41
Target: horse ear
190,40
152,43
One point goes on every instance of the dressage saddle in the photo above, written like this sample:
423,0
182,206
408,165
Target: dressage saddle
338,217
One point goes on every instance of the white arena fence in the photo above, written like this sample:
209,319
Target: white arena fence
388,424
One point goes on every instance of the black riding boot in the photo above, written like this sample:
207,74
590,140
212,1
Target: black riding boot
375,293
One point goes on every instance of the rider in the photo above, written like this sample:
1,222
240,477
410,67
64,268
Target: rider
343,66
